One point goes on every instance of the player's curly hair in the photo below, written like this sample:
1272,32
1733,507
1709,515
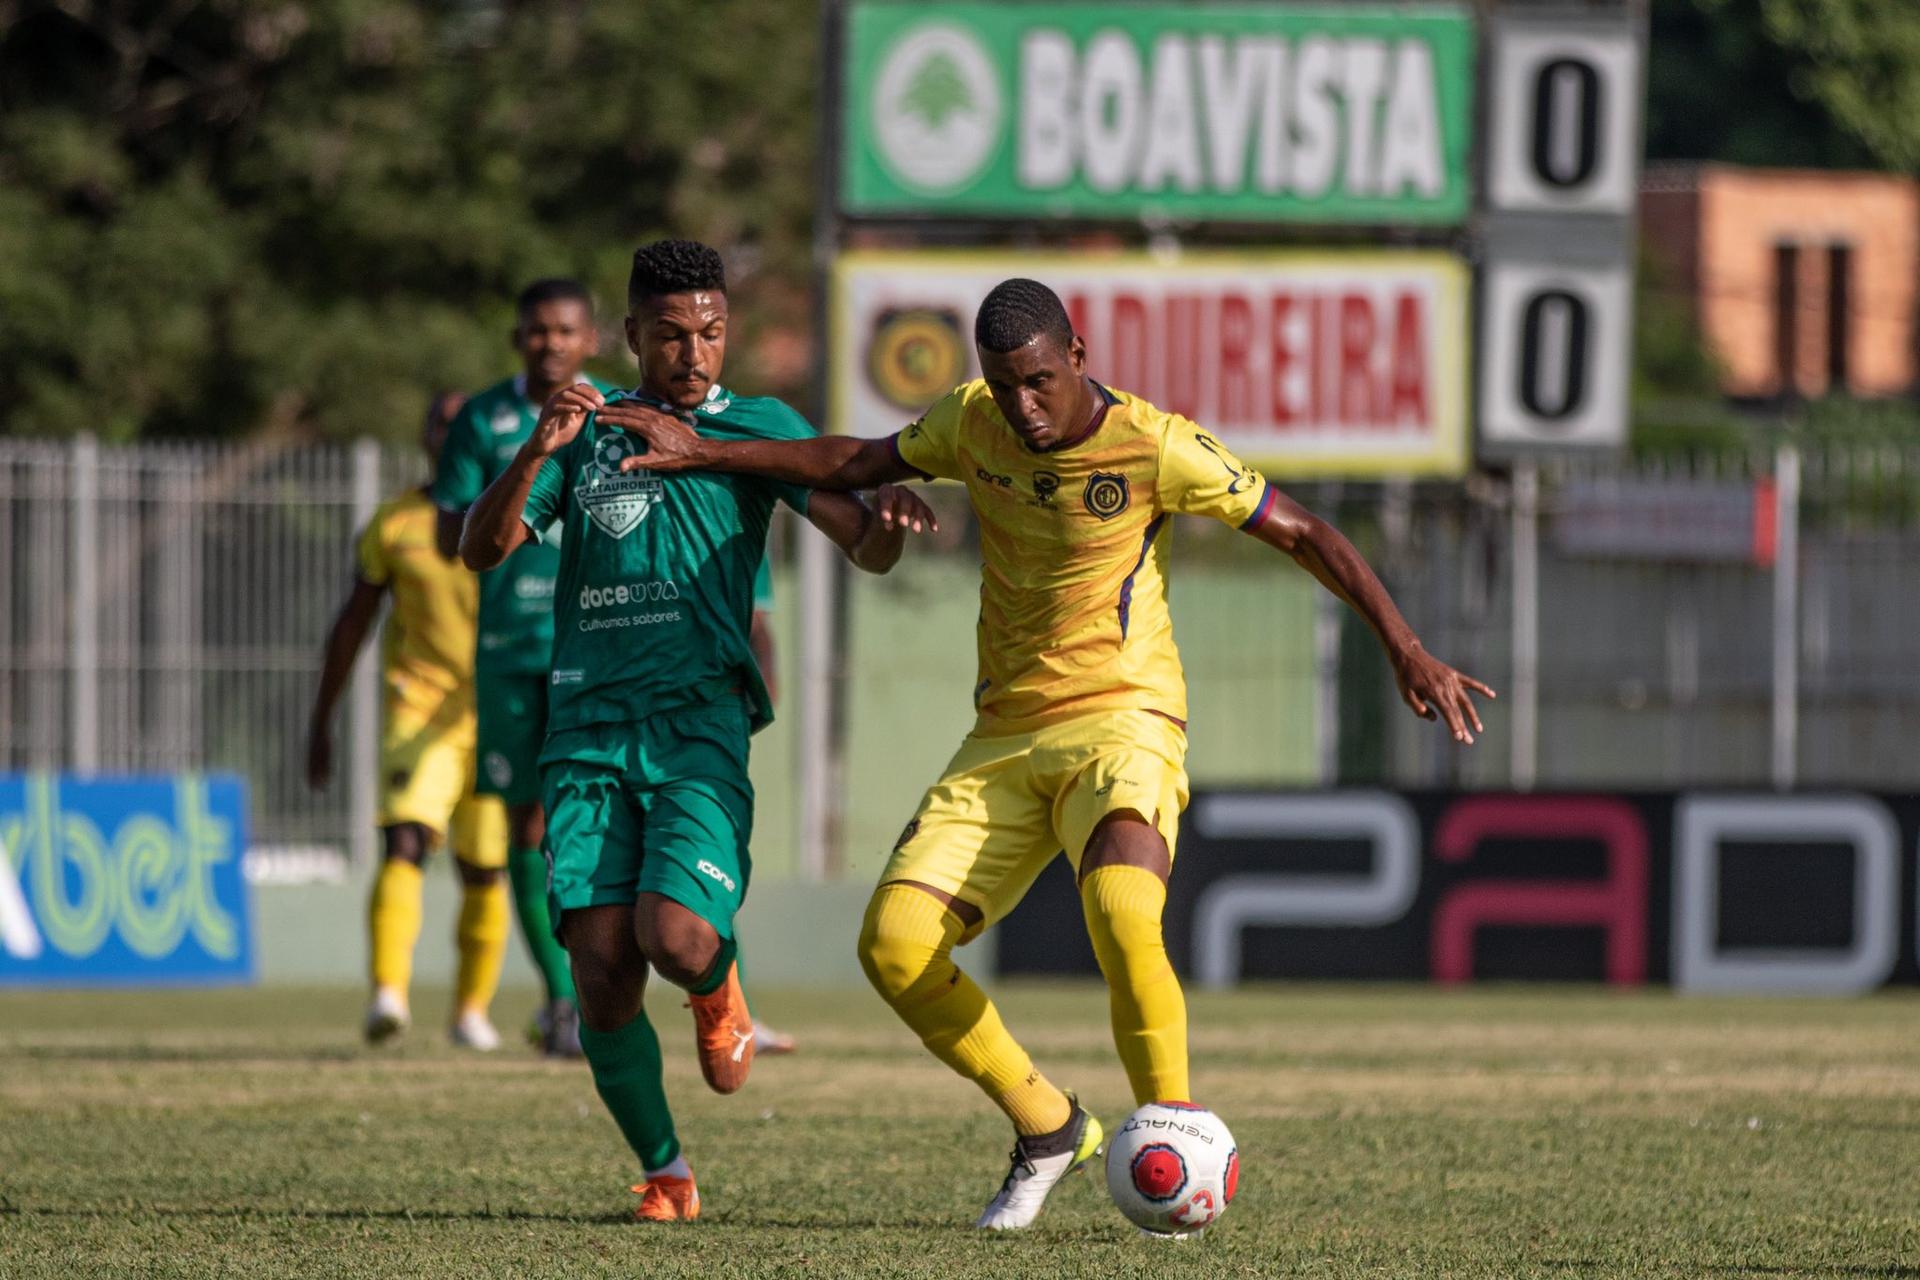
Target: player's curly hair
674,266
553,289
1016,312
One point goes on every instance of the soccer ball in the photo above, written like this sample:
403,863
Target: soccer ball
1172,1168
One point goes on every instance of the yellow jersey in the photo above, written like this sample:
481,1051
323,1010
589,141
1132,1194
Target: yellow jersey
1075,546
428,643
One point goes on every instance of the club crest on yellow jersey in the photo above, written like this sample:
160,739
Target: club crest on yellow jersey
1107,494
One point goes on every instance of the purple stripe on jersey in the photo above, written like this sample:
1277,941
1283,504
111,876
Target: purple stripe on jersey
1267,499
1126,588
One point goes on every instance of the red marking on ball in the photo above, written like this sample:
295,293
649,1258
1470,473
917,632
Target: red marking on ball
1233,1174
1159,1172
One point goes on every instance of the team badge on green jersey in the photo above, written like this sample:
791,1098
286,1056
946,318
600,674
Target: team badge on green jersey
615,500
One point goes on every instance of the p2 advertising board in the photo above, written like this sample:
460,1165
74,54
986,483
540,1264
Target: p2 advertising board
1810,894
1303,363
123,881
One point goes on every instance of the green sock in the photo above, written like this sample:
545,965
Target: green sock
527,869
626,1071
716,977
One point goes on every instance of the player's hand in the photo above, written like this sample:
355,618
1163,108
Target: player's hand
672,445
1436,691
319,757
561,418
901,508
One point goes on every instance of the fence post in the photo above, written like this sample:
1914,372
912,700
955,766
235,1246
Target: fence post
1786,615
1525,712
83,639
363,698
815,737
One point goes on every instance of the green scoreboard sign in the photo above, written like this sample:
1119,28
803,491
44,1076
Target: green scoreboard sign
1227,112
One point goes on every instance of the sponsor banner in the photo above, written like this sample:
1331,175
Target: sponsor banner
1231,112
1707,891
1304,363
1683,519
123,881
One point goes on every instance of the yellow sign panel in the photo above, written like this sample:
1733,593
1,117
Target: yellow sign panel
1305,363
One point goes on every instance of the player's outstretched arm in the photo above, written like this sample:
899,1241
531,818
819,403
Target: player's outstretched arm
1428,685
837,464
494,528
872,537
348,633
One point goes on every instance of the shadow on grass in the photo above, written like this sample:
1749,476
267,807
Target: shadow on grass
184,1053
1891,1271
241,1213
234,1213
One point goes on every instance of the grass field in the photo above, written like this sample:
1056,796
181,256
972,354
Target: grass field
1383,1132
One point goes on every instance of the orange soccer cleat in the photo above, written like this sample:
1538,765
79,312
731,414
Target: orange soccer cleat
723,1031
665,1198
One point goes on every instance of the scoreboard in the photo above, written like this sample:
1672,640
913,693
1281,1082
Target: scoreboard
1336,200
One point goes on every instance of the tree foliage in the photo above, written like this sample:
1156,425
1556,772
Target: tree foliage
233,215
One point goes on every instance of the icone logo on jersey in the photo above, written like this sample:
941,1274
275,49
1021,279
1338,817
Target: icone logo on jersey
629,593
533,588
714,873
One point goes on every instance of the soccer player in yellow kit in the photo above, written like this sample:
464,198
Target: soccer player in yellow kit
1080,741
426,754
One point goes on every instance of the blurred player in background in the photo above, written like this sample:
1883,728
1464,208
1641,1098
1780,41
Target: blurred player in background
426,754
554,335
1080,743
656,692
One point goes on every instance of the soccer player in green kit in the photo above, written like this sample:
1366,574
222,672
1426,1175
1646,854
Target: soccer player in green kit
655,691
555,335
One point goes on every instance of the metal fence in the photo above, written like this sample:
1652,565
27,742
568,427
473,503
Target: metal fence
166,606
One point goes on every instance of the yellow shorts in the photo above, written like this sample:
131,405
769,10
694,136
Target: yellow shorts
427,774
1009,805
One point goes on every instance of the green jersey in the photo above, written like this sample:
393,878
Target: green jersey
516,598
655,594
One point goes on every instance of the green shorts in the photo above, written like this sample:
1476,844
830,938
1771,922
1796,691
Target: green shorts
513,724
659,806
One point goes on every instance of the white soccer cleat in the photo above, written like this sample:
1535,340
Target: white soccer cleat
473,1030
1034,1174
387,1015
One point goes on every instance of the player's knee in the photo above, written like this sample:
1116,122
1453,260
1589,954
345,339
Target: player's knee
1124,905
679,944
609,984
406,842
901,949
526,825
475,877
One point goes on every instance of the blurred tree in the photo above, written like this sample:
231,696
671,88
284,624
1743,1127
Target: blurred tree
1822,84
1862,64
299,216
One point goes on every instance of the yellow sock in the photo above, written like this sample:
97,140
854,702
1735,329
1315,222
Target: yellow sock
485,920
1123,907
393,923
906,947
